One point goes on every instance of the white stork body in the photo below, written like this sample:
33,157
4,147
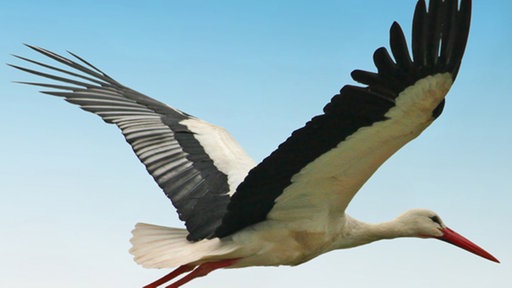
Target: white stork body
290,207
301,226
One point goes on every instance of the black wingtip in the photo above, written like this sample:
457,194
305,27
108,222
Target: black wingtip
399,47
439,36
464,24
421,7
35,48
91,66
18,67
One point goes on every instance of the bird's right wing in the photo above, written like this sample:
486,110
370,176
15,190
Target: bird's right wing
314,174
197,164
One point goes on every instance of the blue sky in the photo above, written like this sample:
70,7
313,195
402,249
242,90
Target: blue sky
72,189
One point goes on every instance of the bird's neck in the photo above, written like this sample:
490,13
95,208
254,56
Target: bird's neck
359,233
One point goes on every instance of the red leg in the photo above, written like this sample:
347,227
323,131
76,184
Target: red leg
176,272
203,270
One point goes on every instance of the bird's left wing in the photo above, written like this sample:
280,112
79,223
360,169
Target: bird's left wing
314,174
197,164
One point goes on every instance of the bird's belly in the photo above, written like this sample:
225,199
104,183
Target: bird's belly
274,246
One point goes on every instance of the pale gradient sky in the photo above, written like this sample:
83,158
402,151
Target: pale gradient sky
72,189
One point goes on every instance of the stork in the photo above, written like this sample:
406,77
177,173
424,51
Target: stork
289,208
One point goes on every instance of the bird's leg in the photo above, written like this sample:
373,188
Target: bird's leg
174,273
203,270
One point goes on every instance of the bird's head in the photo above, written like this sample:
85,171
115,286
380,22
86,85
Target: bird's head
427,224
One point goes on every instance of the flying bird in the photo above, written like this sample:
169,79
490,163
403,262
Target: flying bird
289,208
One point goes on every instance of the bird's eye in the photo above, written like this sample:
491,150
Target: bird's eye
436,219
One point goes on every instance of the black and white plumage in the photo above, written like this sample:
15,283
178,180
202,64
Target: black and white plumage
290,207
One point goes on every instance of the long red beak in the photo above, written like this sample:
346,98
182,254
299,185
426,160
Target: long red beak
456,239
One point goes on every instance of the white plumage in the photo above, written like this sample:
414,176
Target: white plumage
308,217
290,207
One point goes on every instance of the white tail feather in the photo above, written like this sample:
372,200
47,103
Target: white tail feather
164,247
